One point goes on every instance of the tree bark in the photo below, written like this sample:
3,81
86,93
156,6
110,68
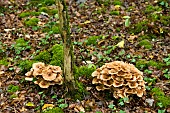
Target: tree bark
67,46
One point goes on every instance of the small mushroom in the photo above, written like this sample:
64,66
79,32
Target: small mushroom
48,75
117,83
29,78
105,77
44,84
132,84
95,80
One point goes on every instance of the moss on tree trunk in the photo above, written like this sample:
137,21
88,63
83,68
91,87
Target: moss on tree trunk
67,46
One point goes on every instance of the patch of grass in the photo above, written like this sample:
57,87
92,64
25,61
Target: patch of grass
31,22
161,98
114,12
43,56
12,88
146,43
92,40
53,110
4,61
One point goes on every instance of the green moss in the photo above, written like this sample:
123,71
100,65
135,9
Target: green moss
158,65
165,20
49,2
43,56
139,27
161,97
34,13
24,14
57,55
43,9
25,65
92,40
146,43
142,63
114,13
4,61
31,22
46,29
13,96
54,110
21,45
151,9
53,11
55,29
12,88
117,2
147,36
84,71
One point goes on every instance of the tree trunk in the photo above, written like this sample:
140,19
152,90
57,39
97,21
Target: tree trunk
67,46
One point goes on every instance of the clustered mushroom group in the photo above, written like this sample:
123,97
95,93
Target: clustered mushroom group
121,78
45,75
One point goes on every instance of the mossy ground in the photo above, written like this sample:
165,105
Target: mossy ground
146,43
4,61
161,98
141,64
31,22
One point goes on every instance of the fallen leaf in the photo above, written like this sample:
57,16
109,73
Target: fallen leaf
121,44
47,106
30,104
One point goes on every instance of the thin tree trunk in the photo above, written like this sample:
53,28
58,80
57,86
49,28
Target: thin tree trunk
67,46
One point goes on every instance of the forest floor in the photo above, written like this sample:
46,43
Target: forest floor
102,31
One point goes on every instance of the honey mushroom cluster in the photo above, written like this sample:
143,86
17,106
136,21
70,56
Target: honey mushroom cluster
121,78
45,75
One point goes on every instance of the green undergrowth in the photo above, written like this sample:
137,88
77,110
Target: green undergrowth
12,88
139,27
147,36
4,61
163,101
53,56
84,71
142,63
146,43
114,12
53,110
150,9
92,40
108,2
31,22
20,45
29,13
